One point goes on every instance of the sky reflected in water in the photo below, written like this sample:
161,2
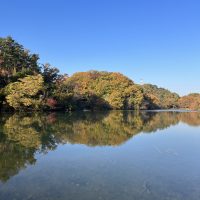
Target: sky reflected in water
100,155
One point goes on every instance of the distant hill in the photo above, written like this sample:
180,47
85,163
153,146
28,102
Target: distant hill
159,98
191,101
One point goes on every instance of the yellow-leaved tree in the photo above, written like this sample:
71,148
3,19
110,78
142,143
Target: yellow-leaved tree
25,93
111,88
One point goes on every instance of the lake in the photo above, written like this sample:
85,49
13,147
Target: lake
121,155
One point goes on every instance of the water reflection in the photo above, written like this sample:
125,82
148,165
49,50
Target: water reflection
22,136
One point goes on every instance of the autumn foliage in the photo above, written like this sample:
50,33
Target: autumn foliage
110,89
191,102
27,85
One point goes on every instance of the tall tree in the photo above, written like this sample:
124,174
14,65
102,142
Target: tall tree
15,61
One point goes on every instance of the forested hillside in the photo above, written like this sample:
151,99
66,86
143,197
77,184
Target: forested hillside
27,85
191,101
159,98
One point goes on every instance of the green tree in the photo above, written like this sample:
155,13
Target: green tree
15,61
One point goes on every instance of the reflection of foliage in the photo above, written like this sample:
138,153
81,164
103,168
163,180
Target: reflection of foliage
160,120
113,129
22,136
190,118
13,158
19,130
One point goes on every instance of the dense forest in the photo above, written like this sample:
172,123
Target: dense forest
25,84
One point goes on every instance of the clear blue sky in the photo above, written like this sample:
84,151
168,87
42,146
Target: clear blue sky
154,40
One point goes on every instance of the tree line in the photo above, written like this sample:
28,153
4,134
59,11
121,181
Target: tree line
25,84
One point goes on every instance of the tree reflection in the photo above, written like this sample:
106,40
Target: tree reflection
21,136
13,158
190,118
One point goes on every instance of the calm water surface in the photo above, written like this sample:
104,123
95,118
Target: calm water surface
100,155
